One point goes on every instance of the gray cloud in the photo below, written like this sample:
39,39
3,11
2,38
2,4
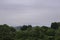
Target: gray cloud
34,12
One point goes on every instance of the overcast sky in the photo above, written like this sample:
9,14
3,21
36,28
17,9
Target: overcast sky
34,12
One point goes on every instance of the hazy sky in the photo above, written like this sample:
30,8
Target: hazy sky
34,12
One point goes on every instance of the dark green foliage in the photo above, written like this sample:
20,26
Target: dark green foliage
37,33
27,32
25,27
54,25
29,26
7,33
50,32
57,35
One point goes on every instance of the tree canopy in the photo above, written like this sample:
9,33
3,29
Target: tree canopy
28,32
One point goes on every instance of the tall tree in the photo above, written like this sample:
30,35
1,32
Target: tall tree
54,25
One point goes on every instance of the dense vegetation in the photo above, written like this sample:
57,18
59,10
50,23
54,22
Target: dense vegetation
27,32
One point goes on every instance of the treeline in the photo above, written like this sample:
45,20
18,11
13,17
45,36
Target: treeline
27,32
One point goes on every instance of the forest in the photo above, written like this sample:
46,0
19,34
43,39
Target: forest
28,32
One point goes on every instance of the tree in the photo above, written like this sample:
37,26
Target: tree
24,27
50,32
29,26
7,33
57,35
54,25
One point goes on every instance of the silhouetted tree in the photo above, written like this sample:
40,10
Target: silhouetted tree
54,25
29,26
24,27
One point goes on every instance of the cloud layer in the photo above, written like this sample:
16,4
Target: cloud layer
34,12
